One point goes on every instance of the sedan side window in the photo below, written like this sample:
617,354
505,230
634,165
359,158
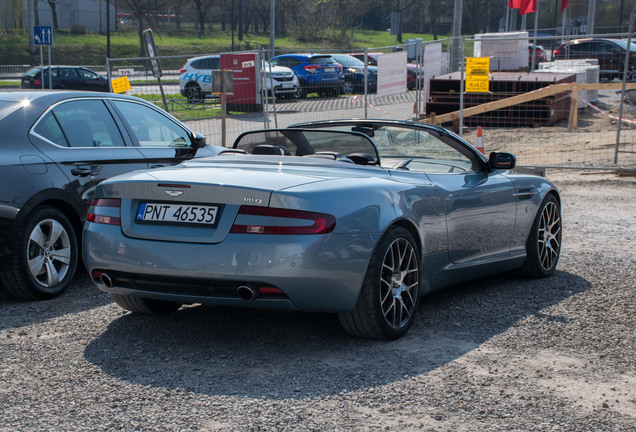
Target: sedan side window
50,129
151,128
80,123
86,74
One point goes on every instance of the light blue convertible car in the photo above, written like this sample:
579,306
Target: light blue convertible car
361,218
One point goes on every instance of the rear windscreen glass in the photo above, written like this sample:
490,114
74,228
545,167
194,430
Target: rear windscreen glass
321,60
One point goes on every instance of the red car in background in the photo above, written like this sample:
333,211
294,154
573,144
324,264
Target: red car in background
413,70
539,56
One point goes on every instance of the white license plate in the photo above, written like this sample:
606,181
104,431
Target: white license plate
178,213
330,70
288,85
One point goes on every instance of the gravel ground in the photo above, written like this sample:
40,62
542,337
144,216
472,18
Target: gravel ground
501,354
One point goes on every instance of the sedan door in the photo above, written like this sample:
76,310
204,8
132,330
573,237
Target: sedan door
85,141
90,81
158,136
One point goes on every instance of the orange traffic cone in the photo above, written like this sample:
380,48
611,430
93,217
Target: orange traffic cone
479,141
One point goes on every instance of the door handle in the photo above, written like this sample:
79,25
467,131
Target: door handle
82,172
157,166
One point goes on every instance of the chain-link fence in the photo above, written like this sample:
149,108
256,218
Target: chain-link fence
549,107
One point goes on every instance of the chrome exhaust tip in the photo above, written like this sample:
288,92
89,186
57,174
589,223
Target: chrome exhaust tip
247,292
106,280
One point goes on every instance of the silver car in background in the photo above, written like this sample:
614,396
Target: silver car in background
360,218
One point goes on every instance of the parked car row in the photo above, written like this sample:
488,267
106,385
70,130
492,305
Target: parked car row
292,76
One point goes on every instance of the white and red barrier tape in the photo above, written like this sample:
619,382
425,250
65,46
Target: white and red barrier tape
357,98
606,113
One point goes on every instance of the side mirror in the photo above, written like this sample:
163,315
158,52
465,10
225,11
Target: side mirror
502,160
198,140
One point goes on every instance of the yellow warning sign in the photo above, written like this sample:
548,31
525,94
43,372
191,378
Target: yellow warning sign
477,71
120,85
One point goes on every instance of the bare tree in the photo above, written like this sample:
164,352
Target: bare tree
435,10
139,9
53,6
202,9
399,6
345,14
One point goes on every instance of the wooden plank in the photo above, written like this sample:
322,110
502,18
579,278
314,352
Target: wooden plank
502,103
574,110
527,97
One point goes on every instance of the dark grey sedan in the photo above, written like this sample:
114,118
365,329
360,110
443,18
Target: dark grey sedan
64,77
56,147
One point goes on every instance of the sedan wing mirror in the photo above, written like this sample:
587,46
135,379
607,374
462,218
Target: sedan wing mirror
502,160
198,140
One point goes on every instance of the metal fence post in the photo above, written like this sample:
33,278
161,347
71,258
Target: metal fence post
223,109
366,71
461,88
622,103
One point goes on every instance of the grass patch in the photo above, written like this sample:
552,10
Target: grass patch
90,48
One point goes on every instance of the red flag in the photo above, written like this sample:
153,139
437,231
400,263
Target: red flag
528,6
564,5
514,4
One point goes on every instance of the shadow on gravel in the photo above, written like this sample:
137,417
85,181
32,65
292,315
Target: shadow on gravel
251,353
81,296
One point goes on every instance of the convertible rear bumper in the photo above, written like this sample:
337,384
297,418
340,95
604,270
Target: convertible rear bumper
302,272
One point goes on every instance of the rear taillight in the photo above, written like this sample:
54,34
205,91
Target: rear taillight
183,69
312,68
283,221
37,82
98,205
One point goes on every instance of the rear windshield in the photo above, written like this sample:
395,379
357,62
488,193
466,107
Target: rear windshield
321,60
623,44
32,72
349,61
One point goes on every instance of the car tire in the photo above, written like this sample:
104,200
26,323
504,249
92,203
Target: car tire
543,246
145,305
390,292
45,256
300,93
348,88
193,93
631,73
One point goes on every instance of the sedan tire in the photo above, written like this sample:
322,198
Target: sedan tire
46,256
544,242
144,305
390,292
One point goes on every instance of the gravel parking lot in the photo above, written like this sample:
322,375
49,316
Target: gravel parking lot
501,354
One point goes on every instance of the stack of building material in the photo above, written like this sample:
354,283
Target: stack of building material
507,51
445,93
587,71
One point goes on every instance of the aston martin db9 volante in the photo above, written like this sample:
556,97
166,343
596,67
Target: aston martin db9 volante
360,218
55,147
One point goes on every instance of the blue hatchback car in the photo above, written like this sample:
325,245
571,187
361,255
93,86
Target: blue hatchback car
318,73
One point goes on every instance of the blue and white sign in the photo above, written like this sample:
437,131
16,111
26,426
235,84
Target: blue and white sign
43,35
